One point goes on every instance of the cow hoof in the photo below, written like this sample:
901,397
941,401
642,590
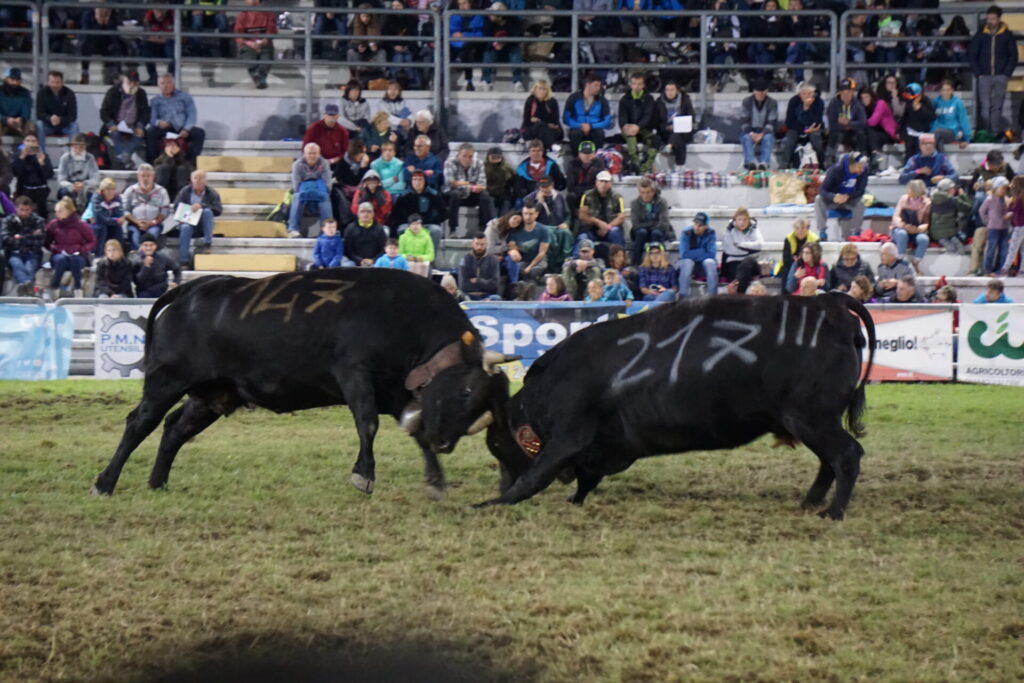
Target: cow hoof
434,492
362,484
94,491
829,513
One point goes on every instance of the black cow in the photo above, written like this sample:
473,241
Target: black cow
374,339
695,375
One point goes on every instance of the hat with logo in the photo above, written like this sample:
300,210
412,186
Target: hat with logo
700,217
587,147
14,73
911,91
132,77
847,84
946,184
415,218
604,175
331,110
586,245
545,180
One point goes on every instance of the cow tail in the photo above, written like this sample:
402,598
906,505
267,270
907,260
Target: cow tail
855,410
165,300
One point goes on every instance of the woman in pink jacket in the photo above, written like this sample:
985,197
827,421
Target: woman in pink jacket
910,221
882,128
69,240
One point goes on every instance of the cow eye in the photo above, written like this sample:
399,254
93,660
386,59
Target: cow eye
468,391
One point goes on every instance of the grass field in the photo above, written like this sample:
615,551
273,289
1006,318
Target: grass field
695,567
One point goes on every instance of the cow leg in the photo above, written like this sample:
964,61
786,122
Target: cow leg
546,466
586,481
433,475
180,426
361,400
819,489
841,452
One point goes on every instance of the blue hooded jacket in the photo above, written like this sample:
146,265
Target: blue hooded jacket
951,114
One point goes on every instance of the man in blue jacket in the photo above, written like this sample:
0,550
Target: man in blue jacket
993,54
587,114
843,188
697,247
805,122
173,111
928,165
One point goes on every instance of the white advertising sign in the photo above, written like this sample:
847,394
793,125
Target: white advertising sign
991,349
120,340
913,343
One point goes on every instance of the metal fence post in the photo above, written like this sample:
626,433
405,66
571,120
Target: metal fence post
841,73
37,37
307,28
440,67
574,63
703,66
179,68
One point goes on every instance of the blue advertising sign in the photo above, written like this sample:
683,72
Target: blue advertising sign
35,341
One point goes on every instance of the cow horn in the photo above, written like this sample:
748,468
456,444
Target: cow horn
412,417
482,423
492,359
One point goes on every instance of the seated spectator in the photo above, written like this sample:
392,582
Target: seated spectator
535,166
32,169
793,245
389,169
466,185
367,24
614,288
1016,235
595,291
329,250
910,218
951,123
945,295
423,201
173,168
928,164
15,105
602,214
416,245
587,114
355,111
500,181
6,172
125,108
377,132
423,124
906,292
496,27
756,287
846,122
843,188
697,247
107,214
69,242
579,270
23,234
404,25
618,258
649,218
848,268
890,269
391,258
202,198
365,238
639,123
554,289
146,205
722,51
532,240
371,190
205,20
113,273
807,287
994,214
399,114
994,294
351,169
554,213
496,234
56,109
881,129
449,285
77,174
805,123
672,103
582,173
951,209
158,40
862,290
758,121
741,245
918,117
331,137
425,162
540,116
259,50
810,266
465,26
108,21
328,23
659,281
149,271
479,272
173,111
311,182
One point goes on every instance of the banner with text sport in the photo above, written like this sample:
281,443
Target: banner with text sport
35,342
991,348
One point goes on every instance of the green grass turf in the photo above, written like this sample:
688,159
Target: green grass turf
693,567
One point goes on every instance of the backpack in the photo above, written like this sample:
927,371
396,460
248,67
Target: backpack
280,213
612,157
95,146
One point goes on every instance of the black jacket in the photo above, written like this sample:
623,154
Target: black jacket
114,277
30,173
364,243
920,120
112,104
64,104
156,274
640,111
429,205
32,231
211,200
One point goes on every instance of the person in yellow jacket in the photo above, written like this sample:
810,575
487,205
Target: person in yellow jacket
416,245
793,245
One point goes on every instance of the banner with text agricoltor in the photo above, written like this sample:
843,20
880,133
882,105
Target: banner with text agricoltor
35,342
991,348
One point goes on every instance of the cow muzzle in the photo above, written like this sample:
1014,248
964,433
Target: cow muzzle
481,423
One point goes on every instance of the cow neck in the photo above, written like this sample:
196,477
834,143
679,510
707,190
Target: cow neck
448,356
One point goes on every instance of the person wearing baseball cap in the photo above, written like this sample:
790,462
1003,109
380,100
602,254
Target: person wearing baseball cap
928,164
697,245
847,122
993,53
759,119
125,99
15,105
332,137
918,117
602,214
581,173
843,188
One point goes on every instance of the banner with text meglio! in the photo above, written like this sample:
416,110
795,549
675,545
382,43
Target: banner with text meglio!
35,342
991,349
913,343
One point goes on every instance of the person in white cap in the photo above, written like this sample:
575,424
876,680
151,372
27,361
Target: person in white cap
602,214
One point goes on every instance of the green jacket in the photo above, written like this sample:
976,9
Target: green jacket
419,245
561,244
949,214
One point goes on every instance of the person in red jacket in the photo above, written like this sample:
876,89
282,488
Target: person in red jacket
330,135
371,190
69,239
257,48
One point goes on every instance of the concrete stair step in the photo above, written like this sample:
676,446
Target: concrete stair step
246,164
249,229
246,262
252,195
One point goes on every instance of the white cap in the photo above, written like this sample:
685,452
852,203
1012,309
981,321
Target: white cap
605,175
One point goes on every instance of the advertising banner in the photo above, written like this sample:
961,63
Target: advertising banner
913,343
35,342
991,349
120,340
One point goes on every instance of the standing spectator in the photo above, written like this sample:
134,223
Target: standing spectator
997,228
587,114
793,245
371,190
355,110
638,121
994,294
105,44
843,188
328,23
69,240
125,104
578,271
809,267
146,205
404,25
882,128
479,272
928,164
649,218
993,53
466,185
805,122
496,27
367,24
15,105
202,198
697,247
846,122
173,169
672,103
77,174
23,234
173,111
158,40
540,116
204,20
423,201
910,218
391,258
329,135
582,172
113,273
535,166
602,214
364,237
500,181
389,169
424,125
416,245
56,109
260,50
32,169
993,166
532,241
918,117
1016,241
724,28
758,121
848,268
150,270
951,209
107,214
465,26
890,269
422,160
658,280
741,245
311,182
770,26
329,250
951,123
